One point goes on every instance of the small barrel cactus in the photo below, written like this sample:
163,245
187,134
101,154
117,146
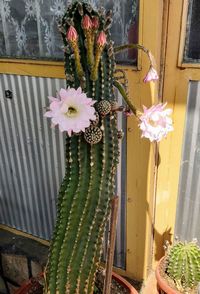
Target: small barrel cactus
183,265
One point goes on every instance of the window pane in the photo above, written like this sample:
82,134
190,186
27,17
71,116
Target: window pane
188,208
28,28
192,45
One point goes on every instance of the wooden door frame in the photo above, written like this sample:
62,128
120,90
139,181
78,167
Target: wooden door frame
175,91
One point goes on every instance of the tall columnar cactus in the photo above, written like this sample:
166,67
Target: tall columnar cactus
183,265
91,157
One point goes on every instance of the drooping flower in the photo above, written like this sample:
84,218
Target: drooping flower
72,35
152,75
155,122
101,39
71,110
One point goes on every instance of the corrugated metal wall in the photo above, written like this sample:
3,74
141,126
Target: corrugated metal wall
188,209
32,160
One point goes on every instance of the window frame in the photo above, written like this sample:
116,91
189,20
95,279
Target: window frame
53,68
183,33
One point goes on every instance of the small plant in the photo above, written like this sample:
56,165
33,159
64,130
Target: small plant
183,265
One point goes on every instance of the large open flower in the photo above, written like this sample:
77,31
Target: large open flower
71,110
155,122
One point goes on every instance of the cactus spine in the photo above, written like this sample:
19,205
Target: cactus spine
88,185
183,265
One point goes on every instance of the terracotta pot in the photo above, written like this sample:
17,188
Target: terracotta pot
124,282
33,283
162,283
31,286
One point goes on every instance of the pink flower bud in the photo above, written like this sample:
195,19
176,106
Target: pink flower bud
86,22
72,34
101,40
152,75
95,23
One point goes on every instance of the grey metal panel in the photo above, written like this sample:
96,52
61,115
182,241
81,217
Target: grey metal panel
188,209
31,166
32,160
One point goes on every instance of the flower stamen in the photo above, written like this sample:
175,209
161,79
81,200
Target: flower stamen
71,111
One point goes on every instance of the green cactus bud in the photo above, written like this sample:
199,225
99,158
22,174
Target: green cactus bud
93,135
103,107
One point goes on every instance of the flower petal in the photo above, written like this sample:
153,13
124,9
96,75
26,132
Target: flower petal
155,122
73,112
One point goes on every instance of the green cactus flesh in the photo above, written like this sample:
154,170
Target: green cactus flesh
88,186
183,265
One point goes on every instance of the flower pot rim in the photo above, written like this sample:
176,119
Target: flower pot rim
25,286
124,282
162,283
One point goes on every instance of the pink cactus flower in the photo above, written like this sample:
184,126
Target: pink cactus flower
72,34
71,110
152,75
101,39
95,23
86,22
155,122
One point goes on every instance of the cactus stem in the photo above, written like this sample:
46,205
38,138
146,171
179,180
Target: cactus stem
98,53
84,201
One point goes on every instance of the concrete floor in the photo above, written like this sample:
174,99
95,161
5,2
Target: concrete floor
150,285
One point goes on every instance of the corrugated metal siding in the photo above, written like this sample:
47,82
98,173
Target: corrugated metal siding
188,211
32,160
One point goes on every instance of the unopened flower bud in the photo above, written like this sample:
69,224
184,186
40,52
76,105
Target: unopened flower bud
86,22
152,75
101,40
95,23
72,34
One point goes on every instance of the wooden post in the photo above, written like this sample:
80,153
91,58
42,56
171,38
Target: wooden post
111,245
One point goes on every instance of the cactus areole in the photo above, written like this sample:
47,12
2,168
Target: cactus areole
91,157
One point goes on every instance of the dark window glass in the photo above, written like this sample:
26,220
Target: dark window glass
192,45
28,28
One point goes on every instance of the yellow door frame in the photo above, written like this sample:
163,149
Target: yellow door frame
176,82
141,169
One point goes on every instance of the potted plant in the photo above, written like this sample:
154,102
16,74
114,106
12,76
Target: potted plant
87,112
179,271
91,145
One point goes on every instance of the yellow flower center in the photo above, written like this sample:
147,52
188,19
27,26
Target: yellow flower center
153,123
71,111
